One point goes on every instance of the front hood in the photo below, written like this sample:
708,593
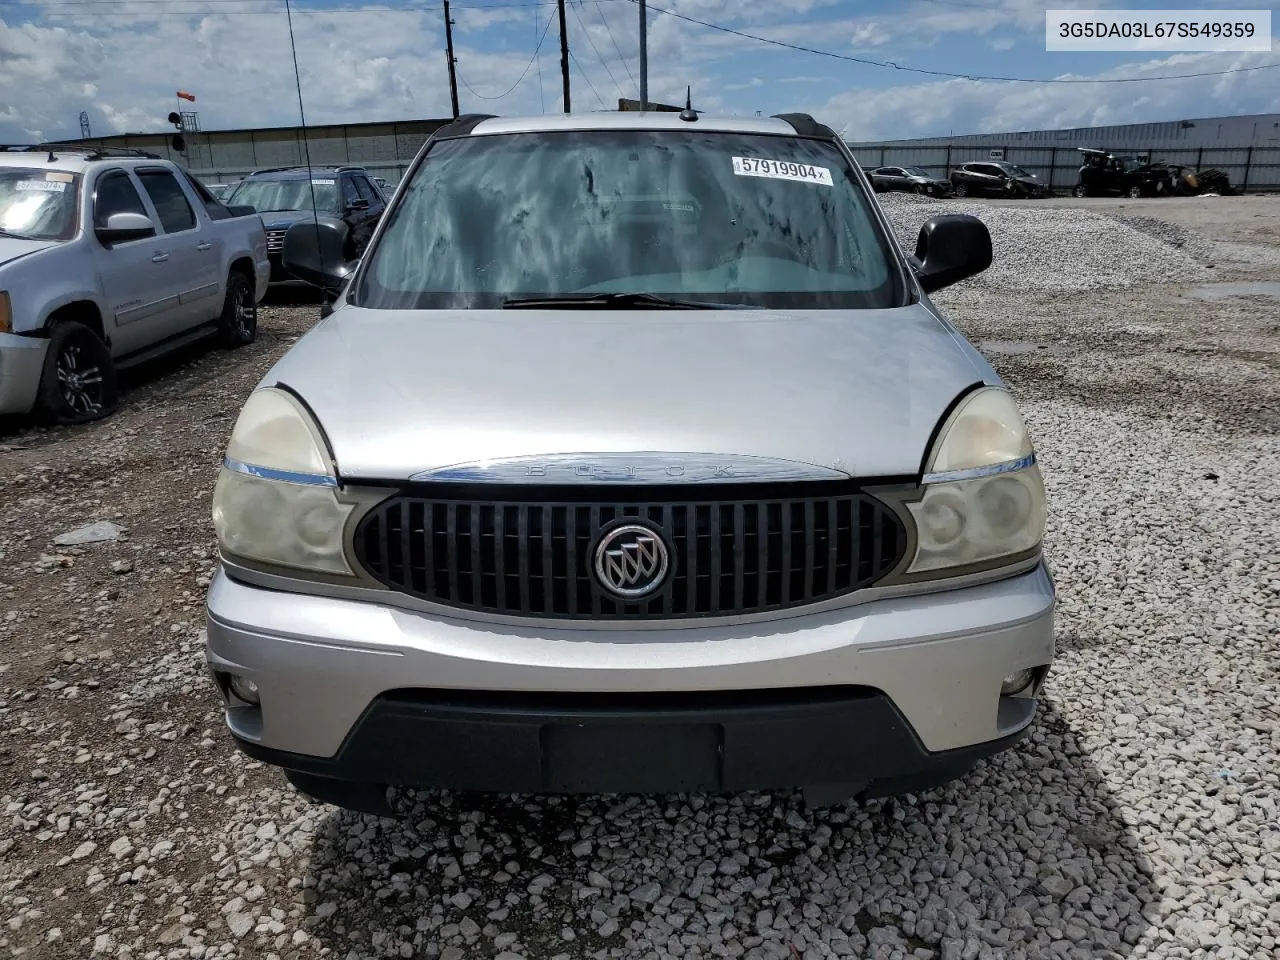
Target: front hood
1031,182
12,248
401,392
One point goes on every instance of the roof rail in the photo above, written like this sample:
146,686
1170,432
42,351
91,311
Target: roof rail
92,152
806,126
462,126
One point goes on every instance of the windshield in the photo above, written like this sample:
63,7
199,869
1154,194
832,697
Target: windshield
1016,170
38,204
915,172
267,195
727,218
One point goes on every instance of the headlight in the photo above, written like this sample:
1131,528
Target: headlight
276,497
983,494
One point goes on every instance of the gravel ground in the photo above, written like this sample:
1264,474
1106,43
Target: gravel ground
1140,819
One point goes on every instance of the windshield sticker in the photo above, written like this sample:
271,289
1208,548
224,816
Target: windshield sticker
44,186
781,170
323,183
57,177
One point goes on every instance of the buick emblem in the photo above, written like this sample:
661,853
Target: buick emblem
631,561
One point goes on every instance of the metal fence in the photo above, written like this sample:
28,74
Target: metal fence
1250,169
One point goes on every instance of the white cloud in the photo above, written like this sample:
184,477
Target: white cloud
371,63
964,106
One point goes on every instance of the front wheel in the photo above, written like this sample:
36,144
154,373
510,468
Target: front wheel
238,324
1079,190
962,190
79,380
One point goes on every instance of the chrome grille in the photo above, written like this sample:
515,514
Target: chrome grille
275,240
740,554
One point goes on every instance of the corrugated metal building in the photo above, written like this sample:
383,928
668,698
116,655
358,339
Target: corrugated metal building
1254,130
1246,147
222,156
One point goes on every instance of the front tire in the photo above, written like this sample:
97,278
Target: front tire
961,190
78,383
1079,191
238,324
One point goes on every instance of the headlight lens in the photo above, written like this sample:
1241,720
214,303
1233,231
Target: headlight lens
983,495
276,497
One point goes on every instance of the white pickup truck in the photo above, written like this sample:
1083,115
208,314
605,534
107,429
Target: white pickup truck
109,258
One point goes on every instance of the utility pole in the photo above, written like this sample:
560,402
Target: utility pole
453,72
644,57
564,56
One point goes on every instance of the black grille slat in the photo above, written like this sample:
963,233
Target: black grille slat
774,547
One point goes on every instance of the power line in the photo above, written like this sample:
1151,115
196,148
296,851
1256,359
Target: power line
599,100
587,33
889,64
542,98
605,20
522,73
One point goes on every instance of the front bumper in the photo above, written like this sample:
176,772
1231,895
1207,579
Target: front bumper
21,366
886,689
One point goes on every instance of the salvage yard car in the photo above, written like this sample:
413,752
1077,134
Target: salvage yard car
344,199
995,178
107,259
910,179
631,456
1102,173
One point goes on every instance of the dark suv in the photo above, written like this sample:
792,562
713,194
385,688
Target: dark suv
996,178
346,197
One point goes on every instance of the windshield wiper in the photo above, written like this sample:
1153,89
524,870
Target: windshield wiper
608,301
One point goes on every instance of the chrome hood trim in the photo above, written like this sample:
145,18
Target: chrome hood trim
643,468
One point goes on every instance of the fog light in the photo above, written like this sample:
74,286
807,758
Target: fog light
1014,683
244,688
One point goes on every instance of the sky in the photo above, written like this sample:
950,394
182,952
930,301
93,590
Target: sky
122,61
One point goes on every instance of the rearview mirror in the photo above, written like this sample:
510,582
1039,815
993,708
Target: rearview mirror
123,227
313,253
951,247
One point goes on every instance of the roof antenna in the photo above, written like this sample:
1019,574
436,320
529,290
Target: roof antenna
688,113
52,158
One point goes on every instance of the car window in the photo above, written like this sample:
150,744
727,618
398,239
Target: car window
212,205
366,190
295,193
349,193
37,203
115,194
170,202
733,218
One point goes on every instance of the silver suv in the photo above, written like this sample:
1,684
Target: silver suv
512,518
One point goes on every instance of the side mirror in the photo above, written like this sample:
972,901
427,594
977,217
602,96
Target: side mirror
358,204
123,227
951,247
313,252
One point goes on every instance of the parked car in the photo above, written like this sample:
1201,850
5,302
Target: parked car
344,197
910,179
631,456
1103,173
220,190
995,178
109,258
